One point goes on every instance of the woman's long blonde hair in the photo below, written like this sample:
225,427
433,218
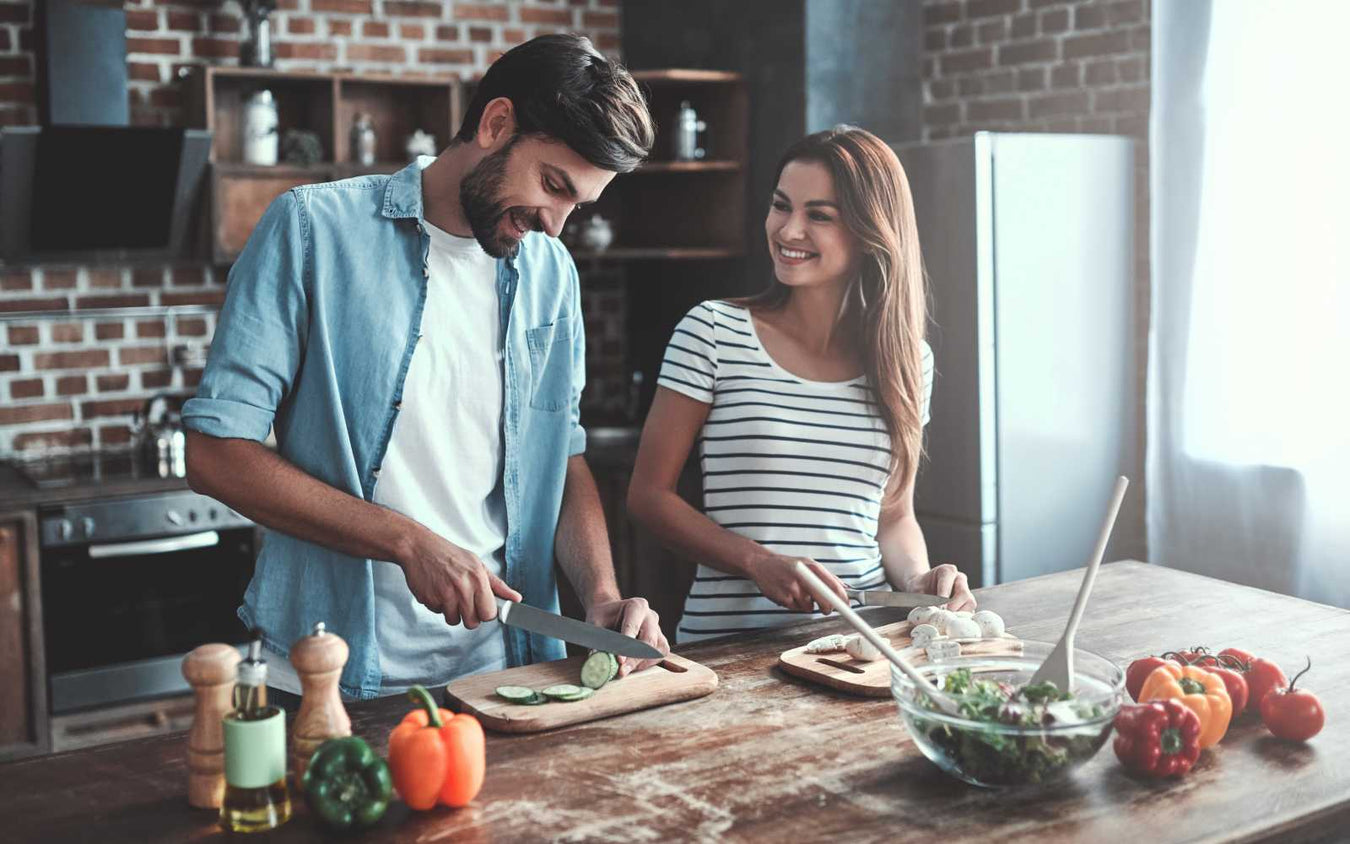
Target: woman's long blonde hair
886,304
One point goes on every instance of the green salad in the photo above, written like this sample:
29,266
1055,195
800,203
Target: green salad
999,757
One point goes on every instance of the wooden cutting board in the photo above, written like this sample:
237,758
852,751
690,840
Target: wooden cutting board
670,681
873,679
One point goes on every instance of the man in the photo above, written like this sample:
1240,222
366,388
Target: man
418,348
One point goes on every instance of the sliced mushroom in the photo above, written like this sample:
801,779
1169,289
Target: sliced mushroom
963,628
861,649
923,615
922,634
827,644
942,649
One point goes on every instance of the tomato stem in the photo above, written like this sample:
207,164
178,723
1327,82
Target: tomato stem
1300,674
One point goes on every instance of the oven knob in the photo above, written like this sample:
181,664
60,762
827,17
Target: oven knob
65,530
87,525
174,517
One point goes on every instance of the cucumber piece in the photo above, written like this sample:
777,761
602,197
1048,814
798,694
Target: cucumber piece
564,690
597,670
535,700
516,694
581,694
613,666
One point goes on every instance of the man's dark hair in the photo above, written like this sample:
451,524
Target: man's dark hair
563,89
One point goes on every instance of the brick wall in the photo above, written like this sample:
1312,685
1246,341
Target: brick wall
1051,66
73,383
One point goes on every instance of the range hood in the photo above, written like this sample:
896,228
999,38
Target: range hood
85,185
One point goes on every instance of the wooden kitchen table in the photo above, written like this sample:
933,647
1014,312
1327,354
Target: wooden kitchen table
769,758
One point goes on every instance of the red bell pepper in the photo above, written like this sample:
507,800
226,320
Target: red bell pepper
1158,739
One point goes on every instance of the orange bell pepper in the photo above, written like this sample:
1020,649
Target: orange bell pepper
1202,692
436,756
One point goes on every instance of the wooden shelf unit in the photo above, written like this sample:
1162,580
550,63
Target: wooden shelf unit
665,210
323,103
684,210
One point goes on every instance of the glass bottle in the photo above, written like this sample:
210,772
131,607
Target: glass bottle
256,797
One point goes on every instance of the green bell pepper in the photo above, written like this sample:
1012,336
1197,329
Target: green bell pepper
346,784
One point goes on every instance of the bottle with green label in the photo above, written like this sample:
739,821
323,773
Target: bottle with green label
255,753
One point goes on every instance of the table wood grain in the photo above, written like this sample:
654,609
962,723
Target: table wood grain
770,758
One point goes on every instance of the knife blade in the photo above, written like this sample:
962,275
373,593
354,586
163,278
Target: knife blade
581,633
881,598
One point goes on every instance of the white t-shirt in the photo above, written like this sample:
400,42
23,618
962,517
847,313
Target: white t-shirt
799,466
443,469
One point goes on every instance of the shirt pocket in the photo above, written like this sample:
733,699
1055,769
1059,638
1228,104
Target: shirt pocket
550,366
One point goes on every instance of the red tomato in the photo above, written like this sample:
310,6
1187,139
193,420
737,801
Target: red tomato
1290,714
1192,655
1240,654
1262,677
1139,671
1236,685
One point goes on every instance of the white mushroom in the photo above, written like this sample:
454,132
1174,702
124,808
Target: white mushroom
941,619
922,634
991,624
942,649
861,649
964,613
827,644
963,628
923,615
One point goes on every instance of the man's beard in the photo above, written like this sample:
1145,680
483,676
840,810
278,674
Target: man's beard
479,194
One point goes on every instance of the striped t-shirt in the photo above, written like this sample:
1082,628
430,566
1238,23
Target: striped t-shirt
798,466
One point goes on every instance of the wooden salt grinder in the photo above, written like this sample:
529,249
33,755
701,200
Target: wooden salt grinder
210,670
318,659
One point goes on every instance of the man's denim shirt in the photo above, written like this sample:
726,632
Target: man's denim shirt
321,317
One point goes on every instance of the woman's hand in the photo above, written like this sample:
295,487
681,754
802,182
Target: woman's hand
945,581
776,577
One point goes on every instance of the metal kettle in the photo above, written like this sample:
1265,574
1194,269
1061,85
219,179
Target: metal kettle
163,442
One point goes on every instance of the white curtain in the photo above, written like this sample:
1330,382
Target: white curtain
1249,373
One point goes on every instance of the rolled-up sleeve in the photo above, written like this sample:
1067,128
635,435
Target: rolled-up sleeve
576,440
260,334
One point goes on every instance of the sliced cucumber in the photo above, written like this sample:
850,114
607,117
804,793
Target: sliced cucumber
598,669
534,701
581,694
516,694
563,691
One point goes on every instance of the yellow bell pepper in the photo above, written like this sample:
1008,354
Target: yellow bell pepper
1202,692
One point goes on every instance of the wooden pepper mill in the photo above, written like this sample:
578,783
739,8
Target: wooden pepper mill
210,670
318,659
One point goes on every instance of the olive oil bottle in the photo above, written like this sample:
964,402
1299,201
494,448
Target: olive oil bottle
256,798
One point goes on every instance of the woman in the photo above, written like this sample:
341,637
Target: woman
808,402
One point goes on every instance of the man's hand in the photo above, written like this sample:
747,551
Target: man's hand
776,577
631,617
449,580
945,581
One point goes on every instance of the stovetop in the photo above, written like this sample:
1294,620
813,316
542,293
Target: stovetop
83,469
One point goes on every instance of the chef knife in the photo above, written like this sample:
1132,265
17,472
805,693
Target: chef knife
590,636
882,598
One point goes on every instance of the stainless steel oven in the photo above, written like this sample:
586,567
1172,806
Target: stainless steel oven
130,585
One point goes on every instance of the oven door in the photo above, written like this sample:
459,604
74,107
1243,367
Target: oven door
119,616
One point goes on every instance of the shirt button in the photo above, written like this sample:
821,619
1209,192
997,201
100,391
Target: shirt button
426,271
398,405
375,473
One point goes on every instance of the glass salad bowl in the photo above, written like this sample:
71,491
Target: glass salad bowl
1002,742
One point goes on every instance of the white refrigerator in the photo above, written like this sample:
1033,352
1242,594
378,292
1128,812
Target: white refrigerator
1028,240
